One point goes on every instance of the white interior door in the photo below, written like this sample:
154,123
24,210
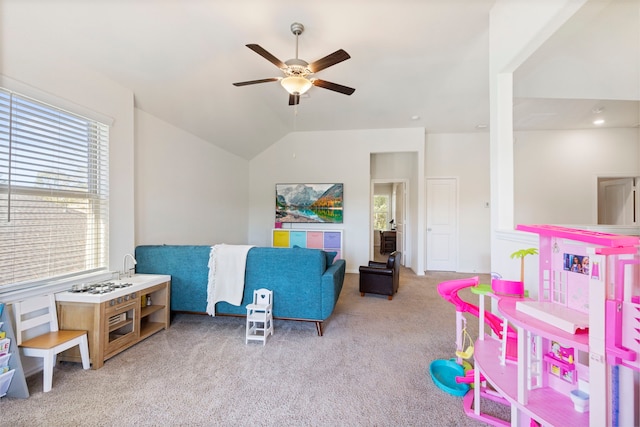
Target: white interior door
442,224
616,202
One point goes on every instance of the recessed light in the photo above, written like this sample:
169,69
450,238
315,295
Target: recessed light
598,122
481,126
415,117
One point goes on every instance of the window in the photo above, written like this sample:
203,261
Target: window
54,194
380,212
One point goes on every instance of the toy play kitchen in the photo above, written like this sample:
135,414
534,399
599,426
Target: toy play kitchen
117,314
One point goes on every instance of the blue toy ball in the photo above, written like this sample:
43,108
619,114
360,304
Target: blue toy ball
444,373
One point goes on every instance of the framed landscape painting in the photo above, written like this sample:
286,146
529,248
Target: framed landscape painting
309,203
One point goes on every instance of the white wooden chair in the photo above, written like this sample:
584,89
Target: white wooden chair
260,316
37,334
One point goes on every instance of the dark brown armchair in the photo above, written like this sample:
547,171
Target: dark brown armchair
381,278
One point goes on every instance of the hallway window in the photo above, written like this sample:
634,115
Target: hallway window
381,213
54,198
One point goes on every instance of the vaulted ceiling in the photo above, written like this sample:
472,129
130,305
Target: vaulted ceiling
414,63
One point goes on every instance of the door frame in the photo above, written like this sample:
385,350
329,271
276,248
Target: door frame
596,198
406,256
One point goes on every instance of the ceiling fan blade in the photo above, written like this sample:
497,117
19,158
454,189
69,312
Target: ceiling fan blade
253,82
333,86
329,60
266,55
294,99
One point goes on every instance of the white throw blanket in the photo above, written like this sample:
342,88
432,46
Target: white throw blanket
226,275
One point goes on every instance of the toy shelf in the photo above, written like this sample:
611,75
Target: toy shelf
327,240
17,387
545,404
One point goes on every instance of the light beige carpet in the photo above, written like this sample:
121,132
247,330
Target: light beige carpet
371,368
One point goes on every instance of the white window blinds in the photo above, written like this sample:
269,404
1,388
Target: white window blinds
54,196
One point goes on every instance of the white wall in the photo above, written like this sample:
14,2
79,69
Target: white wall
555,183
556,172
466,157
188,191
338,156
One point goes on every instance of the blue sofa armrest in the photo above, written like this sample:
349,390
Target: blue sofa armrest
332,281
188,267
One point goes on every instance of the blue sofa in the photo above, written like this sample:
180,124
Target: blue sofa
304,286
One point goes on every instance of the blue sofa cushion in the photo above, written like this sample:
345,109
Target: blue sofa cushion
330,256
294,276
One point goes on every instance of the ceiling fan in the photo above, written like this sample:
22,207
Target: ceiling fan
297,72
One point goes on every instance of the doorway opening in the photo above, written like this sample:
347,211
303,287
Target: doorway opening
617,201
389,218
400,171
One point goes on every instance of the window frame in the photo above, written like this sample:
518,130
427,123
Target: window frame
377,211
95,191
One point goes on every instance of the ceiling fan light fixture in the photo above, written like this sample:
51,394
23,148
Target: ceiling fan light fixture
296,85
297,72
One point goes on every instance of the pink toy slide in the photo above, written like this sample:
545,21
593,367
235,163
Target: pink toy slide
449,291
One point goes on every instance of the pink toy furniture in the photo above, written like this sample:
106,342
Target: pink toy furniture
577,343
449,291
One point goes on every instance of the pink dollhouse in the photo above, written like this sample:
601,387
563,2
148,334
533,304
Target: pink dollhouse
577,341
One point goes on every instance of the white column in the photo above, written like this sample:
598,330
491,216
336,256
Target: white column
516,29
501,151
